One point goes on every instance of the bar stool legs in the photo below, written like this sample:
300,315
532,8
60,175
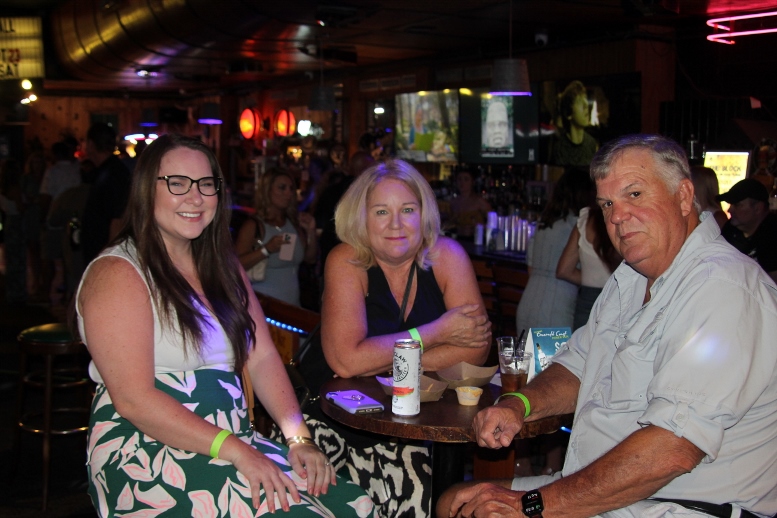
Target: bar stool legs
49,341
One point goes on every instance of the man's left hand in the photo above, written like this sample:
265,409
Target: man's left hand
497,426
487,501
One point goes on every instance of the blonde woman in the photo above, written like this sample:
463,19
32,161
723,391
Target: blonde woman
392,258
278,234
705,186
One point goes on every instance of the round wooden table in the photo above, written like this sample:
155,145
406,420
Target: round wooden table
444,422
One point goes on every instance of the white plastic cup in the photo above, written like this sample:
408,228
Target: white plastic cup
479,229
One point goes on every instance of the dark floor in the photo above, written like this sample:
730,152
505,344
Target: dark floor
21,483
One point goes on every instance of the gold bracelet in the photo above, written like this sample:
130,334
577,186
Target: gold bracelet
298,439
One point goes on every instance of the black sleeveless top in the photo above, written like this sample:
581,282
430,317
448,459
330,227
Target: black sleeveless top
383,310
383,319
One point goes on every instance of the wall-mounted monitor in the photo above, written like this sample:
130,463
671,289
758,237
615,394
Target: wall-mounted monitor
578,115
498,129
729,166
427,127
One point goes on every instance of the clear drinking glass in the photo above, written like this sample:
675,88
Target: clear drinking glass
514,363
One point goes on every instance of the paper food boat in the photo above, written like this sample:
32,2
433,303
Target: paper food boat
431,389
466,375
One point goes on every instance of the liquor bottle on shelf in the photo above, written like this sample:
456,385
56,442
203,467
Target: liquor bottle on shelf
773,197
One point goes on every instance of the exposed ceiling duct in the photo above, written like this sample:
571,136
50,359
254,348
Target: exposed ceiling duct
185,41
202,46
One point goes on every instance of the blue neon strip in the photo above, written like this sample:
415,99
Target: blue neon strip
286,327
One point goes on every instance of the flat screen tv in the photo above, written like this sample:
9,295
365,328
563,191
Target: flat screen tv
427,127
498,129
590,110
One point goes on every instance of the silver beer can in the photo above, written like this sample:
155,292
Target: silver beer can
406,399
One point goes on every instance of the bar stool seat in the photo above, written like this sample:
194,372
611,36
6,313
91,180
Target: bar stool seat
49,341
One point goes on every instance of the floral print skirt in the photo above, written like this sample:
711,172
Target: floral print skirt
133,475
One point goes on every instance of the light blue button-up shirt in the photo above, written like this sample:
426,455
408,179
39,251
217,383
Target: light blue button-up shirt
699,359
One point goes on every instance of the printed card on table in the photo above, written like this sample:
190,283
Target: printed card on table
545,342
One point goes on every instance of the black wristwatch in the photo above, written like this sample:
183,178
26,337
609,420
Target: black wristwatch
532,503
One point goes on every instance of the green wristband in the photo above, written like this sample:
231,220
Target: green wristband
217,442
415,335
521,397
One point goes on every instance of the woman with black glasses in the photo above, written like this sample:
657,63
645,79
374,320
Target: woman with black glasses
169,318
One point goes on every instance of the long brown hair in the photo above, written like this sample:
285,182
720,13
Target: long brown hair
602,244
263,194
571,193
216,264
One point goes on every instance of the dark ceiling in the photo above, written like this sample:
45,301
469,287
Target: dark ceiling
199,47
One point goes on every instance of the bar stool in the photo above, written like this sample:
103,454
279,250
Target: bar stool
48,341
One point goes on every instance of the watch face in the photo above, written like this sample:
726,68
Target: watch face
532,503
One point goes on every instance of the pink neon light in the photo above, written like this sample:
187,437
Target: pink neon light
725,37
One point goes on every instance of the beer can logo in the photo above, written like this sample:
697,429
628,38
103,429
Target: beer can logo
401,368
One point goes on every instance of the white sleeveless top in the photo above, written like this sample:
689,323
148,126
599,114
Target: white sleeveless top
594,272
169,353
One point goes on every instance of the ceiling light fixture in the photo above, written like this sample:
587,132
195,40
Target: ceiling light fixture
742,25
510,76
210,114
149,118
147,71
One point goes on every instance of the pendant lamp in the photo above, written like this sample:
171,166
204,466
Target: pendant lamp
510,76
149,118
210,113
322,97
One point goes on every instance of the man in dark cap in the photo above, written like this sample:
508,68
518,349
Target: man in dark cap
752,229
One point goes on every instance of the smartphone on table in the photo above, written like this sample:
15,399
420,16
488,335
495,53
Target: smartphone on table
354,402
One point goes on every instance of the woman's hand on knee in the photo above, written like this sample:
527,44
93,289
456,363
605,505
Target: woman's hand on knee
310,463
261,472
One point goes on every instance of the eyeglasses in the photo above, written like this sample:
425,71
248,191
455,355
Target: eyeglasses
180,185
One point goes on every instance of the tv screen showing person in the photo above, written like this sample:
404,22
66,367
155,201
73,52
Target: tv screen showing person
497,124
427,126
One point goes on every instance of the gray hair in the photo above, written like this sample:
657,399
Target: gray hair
669,156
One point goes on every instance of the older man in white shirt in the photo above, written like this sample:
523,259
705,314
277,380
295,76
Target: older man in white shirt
673,380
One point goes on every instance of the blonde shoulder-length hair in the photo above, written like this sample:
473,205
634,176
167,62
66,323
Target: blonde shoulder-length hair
351,212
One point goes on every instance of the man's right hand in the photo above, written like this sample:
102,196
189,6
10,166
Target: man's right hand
496,426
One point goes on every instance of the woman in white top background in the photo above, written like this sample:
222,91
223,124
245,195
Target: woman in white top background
588,260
